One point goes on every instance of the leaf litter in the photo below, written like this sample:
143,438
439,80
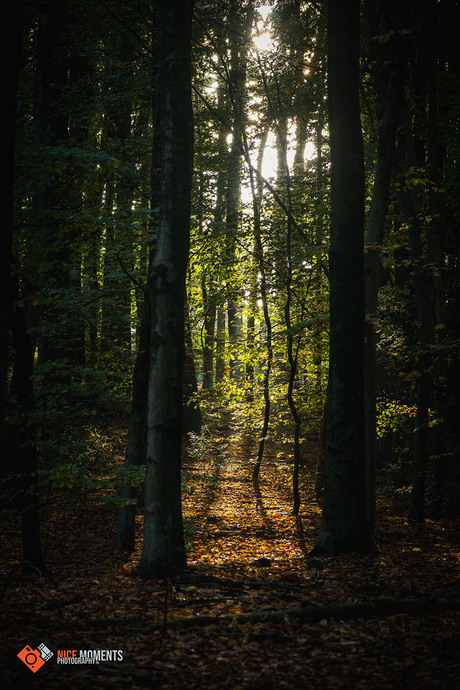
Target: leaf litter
229,621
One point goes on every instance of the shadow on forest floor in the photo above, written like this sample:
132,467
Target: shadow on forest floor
230,621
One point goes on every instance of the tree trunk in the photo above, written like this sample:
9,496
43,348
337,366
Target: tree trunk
209,306
163,550
391,92
137,438
220,344
256,191
239,28
192,419
344,524
15,24
136,446
21,443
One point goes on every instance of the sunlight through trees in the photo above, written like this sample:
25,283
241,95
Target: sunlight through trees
260,351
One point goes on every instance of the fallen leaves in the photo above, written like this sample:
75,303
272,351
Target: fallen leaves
249,571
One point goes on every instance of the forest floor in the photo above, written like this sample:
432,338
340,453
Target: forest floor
254,611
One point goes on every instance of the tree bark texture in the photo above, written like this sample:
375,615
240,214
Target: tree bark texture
389,78
344,524
137,436
163,548
15,24
136,445
240,21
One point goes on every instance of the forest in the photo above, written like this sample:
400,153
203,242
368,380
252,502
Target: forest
230,339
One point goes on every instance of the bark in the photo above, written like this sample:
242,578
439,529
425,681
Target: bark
21,443
220,344
50,126
319,237
209,305
136,446
284,180
61,339
344,524
415,126
215,316
390,89
163,550
193,420
292,351
436,160
15,24
422,296
256,191
137,438
239,28
319,478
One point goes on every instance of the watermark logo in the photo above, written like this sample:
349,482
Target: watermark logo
88,656
35,658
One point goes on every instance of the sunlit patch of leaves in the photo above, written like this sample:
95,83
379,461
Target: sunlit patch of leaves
245,554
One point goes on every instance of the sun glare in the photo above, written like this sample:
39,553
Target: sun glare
261,36
262,41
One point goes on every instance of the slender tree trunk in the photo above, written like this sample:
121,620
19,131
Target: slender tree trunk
320,232
220,344
209,305
344,523
256,191
218,341
284,177
192,419
163,550
239,28
292,351
137,438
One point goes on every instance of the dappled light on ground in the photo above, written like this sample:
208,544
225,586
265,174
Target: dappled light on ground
231,621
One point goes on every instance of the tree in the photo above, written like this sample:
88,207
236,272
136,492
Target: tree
163,548
389,71
135,451
15,52
343,524
240,21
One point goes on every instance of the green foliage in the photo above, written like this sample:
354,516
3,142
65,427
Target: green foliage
393,416
86,215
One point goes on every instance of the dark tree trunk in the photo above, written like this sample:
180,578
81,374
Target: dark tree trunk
137,438
411,201
21,444
436,160
136,446
163,550
389,83
15,28
344,523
